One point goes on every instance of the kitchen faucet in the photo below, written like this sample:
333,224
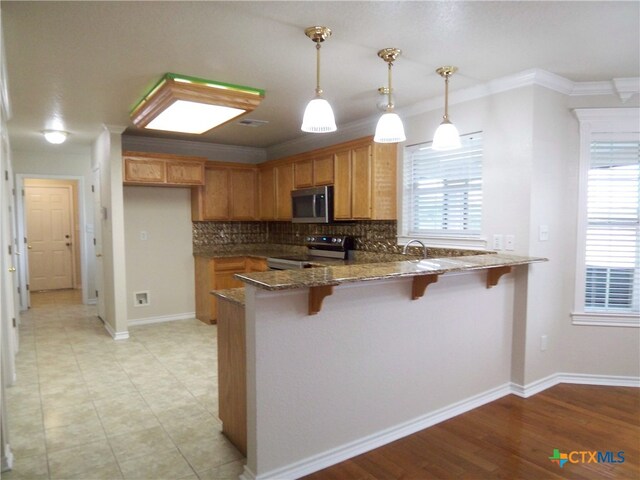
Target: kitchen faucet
415,240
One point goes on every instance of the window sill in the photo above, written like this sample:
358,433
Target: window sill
606,319
447,242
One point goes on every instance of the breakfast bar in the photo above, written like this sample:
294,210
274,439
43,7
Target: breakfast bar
377,334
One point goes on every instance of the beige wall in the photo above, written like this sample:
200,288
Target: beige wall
162,264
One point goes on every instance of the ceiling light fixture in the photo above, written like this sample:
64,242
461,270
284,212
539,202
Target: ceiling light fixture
55,136
389,128
318,116
178,103
446,136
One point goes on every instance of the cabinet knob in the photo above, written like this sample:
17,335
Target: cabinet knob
12,269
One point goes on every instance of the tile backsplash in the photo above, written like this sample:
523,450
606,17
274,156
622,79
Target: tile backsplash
374,235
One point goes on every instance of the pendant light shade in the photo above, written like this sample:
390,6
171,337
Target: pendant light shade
389,128
318,116
55,136
446,136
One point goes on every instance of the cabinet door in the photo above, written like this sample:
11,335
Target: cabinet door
323,170
243,194
144,170
185,173
284,185
267,180
255,264
303,174
342,185
361,205
227,280
216,193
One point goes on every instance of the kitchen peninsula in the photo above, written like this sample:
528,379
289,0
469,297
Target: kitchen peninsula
313,367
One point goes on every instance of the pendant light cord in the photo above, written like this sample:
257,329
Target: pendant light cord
318,89
446,97
390,101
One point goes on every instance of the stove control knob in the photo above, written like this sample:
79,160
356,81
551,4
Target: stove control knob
312,239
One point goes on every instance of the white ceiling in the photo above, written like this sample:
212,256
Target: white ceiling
87,63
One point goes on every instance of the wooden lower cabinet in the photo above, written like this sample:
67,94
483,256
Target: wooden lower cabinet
219,274
232,373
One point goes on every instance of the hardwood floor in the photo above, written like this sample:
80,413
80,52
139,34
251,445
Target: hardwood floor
513,438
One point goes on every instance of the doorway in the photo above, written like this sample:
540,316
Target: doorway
50,222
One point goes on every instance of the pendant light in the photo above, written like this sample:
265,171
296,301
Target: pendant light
318,116
446,136
389,128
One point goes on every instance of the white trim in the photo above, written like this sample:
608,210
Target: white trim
22,232
378,439
574,378
212,151
7,458
605,319
162,319
336,455
623,87
115,335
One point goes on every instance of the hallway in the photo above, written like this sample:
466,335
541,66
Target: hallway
85,406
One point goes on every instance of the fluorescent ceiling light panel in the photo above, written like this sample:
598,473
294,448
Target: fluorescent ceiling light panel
191,117
178,103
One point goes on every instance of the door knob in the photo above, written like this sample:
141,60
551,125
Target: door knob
98,254
12,269
29,247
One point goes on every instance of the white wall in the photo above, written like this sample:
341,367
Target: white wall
372,364
163,264
66,165
107,157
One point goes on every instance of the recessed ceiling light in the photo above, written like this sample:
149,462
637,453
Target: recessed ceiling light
193,105
55,136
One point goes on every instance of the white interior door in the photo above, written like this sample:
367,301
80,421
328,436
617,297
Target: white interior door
97,241
49,232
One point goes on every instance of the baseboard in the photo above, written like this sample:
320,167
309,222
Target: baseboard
116,335
538,386
378,439
7,459
162,318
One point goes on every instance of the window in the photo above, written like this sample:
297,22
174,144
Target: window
443,190
608,273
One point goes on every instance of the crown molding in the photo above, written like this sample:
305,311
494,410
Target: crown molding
212,151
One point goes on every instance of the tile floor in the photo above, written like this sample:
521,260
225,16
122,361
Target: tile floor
85,406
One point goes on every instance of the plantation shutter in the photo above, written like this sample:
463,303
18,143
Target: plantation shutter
612,240
444,189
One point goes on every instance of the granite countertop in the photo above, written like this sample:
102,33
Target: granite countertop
235,295
335,275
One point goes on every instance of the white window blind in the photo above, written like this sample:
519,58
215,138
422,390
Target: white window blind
443,189
612,273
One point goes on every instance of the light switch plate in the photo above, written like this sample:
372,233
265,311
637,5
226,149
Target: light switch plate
509,242
498,241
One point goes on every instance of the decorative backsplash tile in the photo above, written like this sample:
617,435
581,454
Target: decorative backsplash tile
370,236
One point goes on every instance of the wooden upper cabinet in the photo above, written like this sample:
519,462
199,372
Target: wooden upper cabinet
303,174
229,193
342,186
323,170
267,193
284,185
365,182
162,170
216,193
243,193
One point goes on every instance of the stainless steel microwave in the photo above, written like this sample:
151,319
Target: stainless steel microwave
312,205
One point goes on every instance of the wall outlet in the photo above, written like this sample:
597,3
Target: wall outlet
509,242
543,233
544,343
144,235
498,241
